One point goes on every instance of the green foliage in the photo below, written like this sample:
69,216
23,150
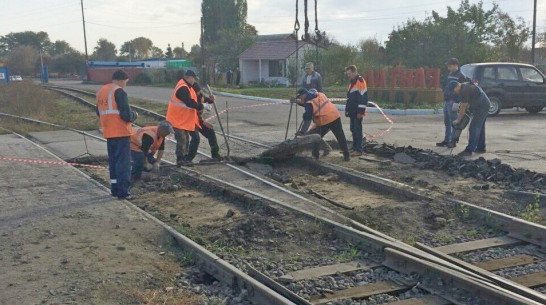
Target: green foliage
532,211
469,33
169,51
138,48
221,15
68,63
36,40
143,78
105,50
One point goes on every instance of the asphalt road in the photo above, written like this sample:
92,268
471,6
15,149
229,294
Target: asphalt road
515,137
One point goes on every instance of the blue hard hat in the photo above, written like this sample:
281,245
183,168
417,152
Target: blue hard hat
452,84
301,91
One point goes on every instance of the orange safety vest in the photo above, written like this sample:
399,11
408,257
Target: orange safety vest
112,124
136,138
178,114
324,111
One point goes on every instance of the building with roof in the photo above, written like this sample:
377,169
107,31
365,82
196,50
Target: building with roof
269,58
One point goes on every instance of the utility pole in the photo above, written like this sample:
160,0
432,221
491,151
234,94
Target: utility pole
534,33
203,54
84,35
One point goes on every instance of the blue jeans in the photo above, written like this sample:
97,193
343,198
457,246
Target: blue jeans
449,117
137,163
356,130
119,165
476,139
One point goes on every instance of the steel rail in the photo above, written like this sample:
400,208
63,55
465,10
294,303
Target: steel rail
403,189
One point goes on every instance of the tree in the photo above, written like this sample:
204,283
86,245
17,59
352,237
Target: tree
469,33
169,52
37,40
156,52
68,63
105,50
195,54
138,48
180,52
60,47
229,44
22,59
222,15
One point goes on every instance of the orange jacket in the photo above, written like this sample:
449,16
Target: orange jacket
112,124
324,112
178,114
136,138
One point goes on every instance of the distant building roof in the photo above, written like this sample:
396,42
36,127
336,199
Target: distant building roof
275,37
114,64
271,49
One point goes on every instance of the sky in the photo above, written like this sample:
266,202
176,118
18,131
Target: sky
176,22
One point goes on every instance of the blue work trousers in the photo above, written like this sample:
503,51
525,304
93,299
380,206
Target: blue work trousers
476,139
356,130
449,117
137,163
119,165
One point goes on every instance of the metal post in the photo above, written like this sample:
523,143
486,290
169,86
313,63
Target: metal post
220,123
84,35
534,33
288,124
42,78
227,117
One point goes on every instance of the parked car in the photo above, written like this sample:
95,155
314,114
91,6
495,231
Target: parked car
15,78
509,85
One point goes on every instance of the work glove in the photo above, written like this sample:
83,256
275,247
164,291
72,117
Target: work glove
155,168
136,116
207,107
148,167
208,125
346,114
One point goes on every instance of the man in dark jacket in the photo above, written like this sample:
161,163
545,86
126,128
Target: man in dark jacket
207,129
312,79
449,99
355,109
472,96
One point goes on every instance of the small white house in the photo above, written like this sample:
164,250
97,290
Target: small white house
269,57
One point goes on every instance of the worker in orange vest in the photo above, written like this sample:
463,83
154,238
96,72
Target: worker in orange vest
116,117
145,142
319,110
182,113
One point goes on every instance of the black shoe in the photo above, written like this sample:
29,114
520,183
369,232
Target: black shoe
480,151
184,163
465,153
451,144
442,144
130,197
346,157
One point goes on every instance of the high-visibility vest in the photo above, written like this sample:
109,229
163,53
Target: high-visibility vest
324,111
179,114
136,138
112,124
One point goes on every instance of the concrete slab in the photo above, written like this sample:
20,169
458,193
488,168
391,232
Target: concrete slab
69,144
62,236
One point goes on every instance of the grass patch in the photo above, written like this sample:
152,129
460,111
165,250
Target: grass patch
31,100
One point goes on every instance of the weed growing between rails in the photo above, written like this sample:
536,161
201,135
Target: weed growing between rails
532,210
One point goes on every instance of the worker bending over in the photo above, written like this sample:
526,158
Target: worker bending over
116,117
145,142
473,97
319,110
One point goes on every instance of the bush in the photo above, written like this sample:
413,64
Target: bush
143,79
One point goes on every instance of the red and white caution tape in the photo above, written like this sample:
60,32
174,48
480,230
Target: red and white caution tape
34,161
369,136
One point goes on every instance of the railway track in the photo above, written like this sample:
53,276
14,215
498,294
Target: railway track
519,231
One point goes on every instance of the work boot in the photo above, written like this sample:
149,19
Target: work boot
217,157
442,144
465,153
356,153
316,154
451,144
346,156
184,163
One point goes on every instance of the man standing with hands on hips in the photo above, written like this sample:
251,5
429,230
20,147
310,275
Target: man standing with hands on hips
355,109
116,117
